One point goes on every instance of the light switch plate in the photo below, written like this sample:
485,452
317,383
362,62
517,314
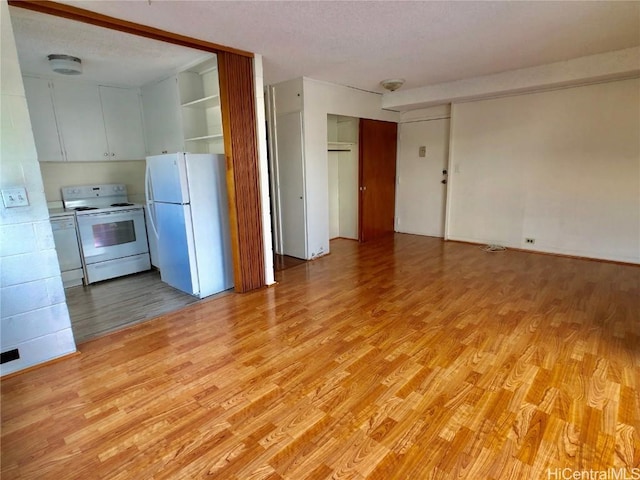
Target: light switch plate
422,151
15,197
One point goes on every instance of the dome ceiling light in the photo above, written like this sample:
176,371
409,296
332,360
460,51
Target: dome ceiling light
65,64
392,84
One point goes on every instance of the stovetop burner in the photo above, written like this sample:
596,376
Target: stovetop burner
122,204
82,209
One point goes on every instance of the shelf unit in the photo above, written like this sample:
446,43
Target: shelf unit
340,146
199,95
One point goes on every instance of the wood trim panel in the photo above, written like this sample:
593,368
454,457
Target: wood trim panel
87,16
237,99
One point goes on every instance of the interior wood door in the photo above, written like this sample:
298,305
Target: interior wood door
378,143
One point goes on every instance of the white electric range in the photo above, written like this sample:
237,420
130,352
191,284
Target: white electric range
112,231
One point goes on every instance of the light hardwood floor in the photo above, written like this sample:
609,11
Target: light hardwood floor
405,358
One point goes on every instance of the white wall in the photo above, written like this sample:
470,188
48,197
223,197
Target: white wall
562,167
343,193
263,166
321,99
34,316
56,175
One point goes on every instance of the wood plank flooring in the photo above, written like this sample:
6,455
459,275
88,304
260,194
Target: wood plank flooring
118,303
404,358
106,306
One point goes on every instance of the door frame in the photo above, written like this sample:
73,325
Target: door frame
238,109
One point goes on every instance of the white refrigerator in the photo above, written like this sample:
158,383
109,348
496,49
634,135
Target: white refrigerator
187,205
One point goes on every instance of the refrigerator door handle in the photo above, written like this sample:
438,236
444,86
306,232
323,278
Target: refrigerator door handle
148,191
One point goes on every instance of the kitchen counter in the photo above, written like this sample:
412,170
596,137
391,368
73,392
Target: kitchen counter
60,212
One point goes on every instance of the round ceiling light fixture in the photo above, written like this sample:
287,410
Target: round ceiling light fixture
65,64
392,84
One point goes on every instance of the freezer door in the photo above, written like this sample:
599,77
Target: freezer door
167,178
176,250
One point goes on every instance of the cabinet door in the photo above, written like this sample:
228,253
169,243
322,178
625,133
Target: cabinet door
80,121
162,121
43,119
123,123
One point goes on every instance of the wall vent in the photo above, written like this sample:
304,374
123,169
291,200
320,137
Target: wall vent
9,356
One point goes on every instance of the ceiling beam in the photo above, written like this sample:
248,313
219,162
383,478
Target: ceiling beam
601,67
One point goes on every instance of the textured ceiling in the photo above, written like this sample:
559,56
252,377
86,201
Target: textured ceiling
359,43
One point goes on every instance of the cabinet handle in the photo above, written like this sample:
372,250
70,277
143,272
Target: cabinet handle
113,154
106,154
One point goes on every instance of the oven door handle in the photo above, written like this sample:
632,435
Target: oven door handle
127,214
148,193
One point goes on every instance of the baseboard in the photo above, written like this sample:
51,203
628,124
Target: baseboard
553,254
40,365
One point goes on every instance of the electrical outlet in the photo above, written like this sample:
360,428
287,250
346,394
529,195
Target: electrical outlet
15,197
530,241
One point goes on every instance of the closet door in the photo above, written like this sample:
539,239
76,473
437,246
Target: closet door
378,142
291,185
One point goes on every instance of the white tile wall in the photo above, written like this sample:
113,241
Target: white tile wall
29,267
41,349
17,239
33,312
36,323
21,298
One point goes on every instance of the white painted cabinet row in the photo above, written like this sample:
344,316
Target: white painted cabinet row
75,121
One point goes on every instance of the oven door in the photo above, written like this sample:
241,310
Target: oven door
110,235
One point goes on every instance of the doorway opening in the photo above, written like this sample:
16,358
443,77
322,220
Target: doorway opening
342,157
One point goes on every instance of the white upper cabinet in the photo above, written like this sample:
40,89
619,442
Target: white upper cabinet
123,123
43,119
75,121
80,121
161,109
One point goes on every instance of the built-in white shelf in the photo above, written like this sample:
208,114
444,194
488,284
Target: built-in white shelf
206,138
340,146
206,102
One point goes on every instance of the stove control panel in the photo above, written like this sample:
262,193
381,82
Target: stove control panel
83,192
96,196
